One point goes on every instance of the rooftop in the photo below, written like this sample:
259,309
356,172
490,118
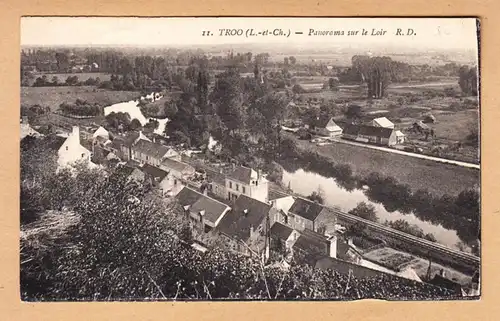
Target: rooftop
188,196
280,231
242,174
154,171
151,149
306,208
213,208
175,165
247,213
367,130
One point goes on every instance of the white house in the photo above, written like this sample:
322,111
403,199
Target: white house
382,122
325,126
246,181
400,137
72,151
101,132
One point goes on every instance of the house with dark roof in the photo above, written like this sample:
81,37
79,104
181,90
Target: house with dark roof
313,243
243,180
164,181
282,237
147,152
180,171
306,214
205,212
126,142
246,226
370,134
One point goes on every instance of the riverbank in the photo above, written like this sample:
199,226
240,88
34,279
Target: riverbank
437,178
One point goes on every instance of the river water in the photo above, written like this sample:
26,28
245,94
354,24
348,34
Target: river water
131,107
304,183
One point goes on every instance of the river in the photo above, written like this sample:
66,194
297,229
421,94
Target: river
132,108
304,183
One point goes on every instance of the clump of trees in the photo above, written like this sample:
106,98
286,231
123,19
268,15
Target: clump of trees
412,229
81,108
366,211
468,80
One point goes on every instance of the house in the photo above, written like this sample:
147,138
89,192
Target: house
167,183
217,183
207,213
370,134
27,130
312,243
72,151
131,172
246,181
382,122
179,170
125,143
400,137
101,132
326,126
282,237
280,201
245,228
204,212
147,152
305,214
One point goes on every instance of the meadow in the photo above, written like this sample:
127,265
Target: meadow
54,96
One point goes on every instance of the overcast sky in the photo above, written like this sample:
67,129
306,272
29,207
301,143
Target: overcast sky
432,33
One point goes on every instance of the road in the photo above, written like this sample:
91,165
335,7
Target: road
401,152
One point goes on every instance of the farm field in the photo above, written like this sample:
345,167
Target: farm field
82,76
54,96
397,259
438,178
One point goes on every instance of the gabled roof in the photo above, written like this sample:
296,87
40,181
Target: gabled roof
367,130
281,231
176,165
55,142
312,242
383,122
213,209
306,208
188,196
151,149
246,213
242,174
130,138
154,171
117,143
321,122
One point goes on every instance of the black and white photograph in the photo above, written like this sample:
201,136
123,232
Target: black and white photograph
249,158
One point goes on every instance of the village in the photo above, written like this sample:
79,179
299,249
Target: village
238,204
249,172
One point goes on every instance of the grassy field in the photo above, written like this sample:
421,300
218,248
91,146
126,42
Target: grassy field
438,178
54,96
81,76
389,256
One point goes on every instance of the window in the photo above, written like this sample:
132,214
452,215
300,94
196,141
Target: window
175,182
237,187
230,185
66,147
83,155
147,157
243,189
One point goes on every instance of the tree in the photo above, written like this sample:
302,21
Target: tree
468,80
286,61
354,112
293,60
135,124
366,211
228,100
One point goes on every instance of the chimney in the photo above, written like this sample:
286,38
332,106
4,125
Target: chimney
333,246
259,174
76,132
202,219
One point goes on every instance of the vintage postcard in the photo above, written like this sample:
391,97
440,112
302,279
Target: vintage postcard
249,159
